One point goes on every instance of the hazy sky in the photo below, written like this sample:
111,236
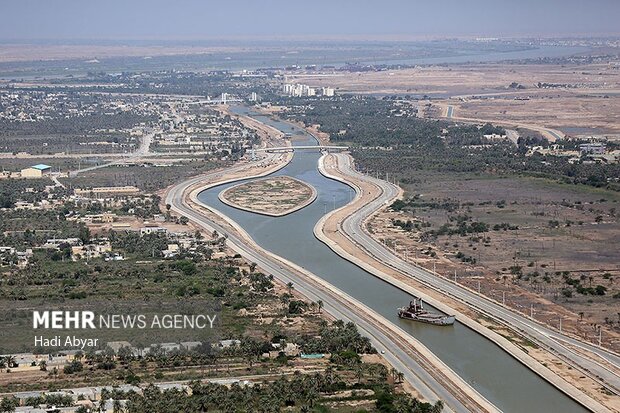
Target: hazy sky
194,19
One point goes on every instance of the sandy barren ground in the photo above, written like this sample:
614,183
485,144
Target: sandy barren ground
465,80
544,252
275,196
30,52
574,114
583,98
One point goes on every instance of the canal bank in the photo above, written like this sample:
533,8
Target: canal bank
329,231
430,373
430,377
491,371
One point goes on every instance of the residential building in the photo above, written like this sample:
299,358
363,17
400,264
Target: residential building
592,148
108,190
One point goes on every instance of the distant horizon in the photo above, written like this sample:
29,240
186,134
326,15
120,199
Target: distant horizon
393,20
312,38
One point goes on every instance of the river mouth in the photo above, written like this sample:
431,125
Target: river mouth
499,377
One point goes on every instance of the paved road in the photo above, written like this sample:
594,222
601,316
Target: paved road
550,134
549,338
143,150
299,147
414,373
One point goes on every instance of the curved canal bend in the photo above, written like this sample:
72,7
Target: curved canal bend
500,378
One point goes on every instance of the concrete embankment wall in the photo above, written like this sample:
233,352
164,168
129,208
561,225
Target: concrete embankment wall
411,341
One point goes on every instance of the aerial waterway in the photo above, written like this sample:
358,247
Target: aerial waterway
499,377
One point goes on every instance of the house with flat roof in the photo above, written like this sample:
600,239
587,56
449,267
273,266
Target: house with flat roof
36,171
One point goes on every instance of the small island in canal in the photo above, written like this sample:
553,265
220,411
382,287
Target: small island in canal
274,196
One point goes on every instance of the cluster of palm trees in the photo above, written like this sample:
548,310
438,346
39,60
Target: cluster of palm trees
300,393
415,144
338,337
7,362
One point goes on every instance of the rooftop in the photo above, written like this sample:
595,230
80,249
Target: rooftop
41,167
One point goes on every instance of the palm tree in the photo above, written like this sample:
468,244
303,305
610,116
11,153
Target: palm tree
319,303
10,361
404,404
311,396
8,404
104,398
117,406
383,372
394,374
329,376
359,372
290,287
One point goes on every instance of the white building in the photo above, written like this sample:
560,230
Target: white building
328,91
299,90
594,148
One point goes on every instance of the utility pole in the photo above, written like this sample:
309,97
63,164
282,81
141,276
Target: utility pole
503,298
478,286
532,311
433,267
455,276
560,325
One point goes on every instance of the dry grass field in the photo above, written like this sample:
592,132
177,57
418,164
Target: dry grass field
563,231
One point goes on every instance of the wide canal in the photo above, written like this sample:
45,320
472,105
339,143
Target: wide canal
499,377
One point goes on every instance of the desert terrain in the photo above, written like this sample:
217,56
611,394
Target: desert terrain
575,99
540,237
